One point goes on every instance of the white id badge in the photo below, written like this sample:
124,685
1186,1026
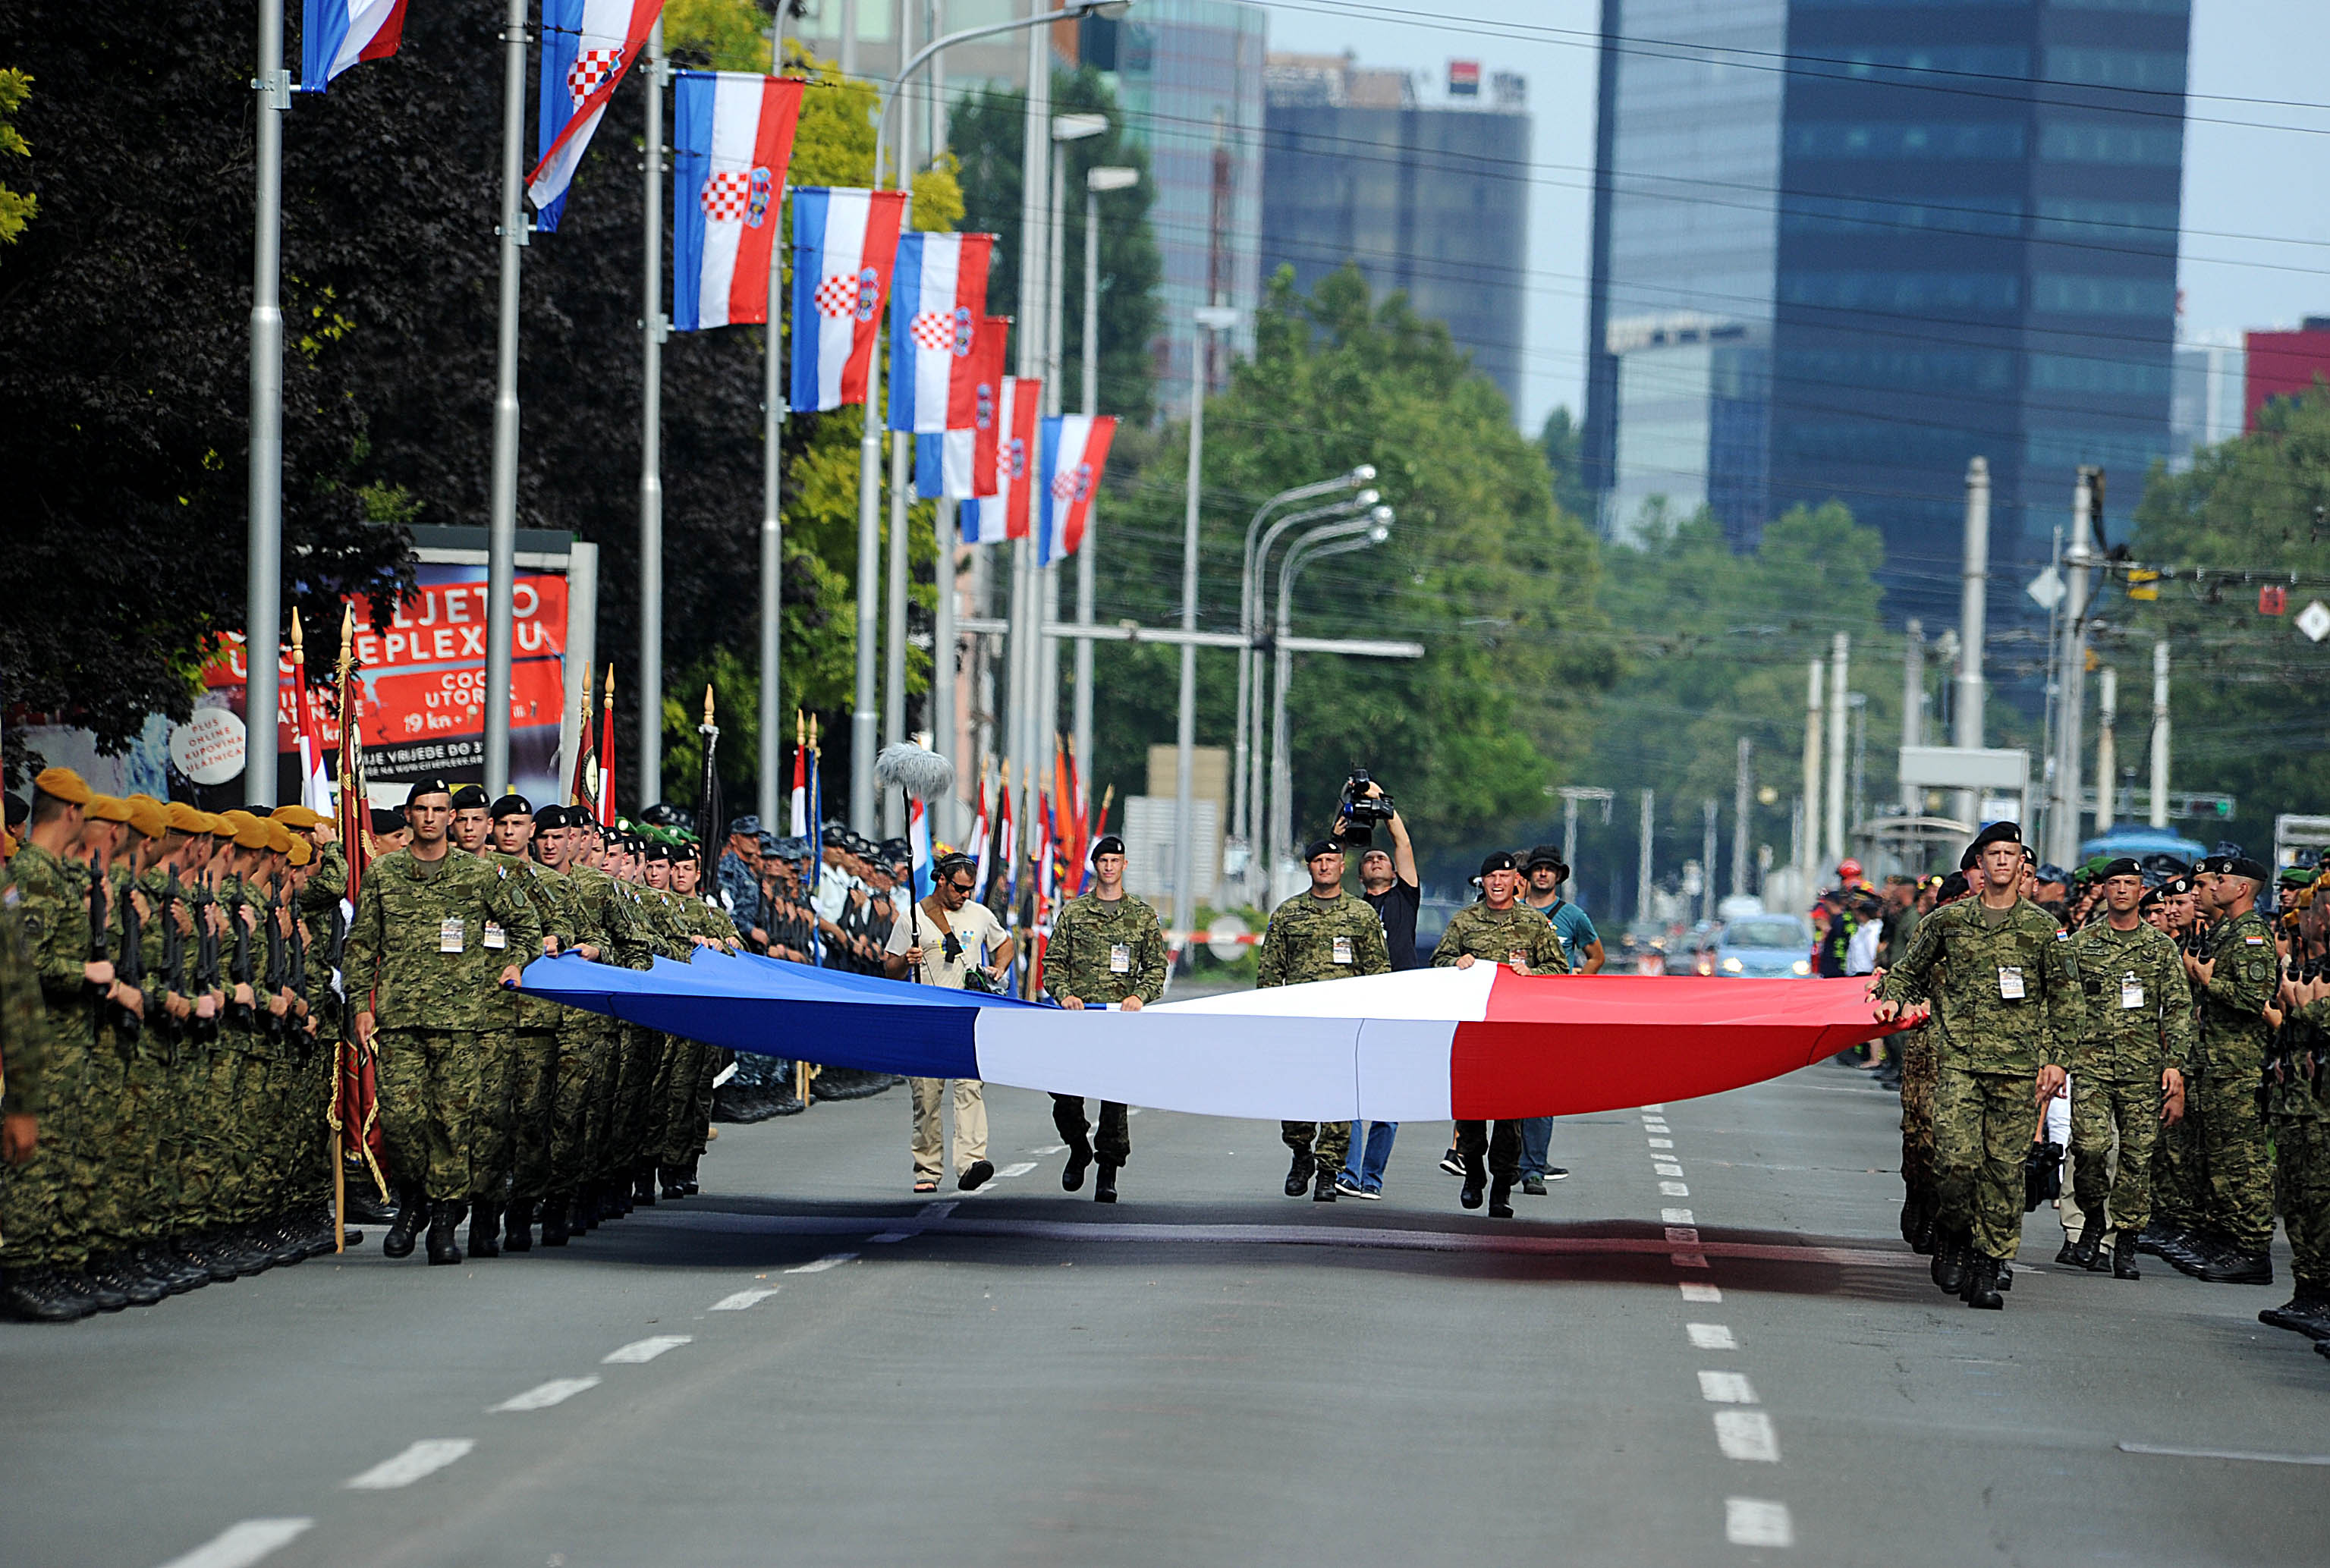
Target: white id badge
2010,983
495,935
2131,991
448,934
1342,950
1120,958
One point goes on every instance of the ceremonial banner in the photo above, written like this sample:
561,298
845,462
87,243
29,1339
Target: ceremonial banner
958,463
335,34
732,138
587,48
1004,514
1076,452
845,243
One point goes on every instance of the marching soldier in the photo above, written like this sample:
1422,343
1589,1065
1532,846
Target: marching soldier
689,1112
1503,930
526,1055
1320,934
1106,947
2298,1110
2235,980
2004,990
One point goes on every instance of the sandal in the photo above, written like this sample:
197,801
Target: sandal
927,1186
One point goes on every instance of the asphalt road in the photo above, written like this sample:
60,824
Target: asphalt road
1732,1360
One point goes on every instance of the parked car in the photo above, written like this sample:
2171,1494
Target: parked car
1761,946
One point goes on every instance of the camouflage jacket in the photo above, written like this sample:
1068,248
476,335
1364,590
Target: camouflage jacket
2233,1031
24,1022
704,918
608,918
1105,950
418,954
1497,935
544,890
1300,944
2139,1011
2007,997
659,908
55,912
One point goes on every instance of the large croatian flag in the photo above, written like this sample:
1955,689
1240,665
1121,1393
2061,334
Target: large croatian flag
335,34
1075,451
960,464
845,243
938,299
1004,514
734,136
587,46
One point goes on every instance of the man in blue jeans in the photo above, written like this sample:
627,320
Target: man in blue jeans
1387,882
1582,945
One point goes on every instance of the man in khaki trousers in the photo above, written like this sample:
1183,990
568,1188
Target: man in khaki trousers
943,940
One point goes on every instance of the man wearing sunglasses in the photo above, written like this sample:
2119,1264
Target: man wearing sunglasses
1107,949
944,939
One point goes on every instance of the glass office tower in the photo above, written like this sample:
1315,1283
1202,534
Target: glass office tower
1971,220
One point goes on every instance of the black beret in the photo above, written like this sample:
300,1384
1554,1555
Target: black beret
1954,886
1318,846
427,786
1107,844
1499,860
549,819
385,822
471,797
2242,866
658,852
2123,866
513,805
1965,861
17,810
2151,899
2177,886
1546,855
1998,833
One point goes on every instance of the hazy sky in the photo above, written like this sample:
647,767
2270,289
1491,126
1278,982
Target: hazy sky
2257,196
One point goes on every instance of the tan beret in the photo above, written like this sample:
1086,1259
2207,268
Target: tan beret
107,808
298,818
65,785
302,852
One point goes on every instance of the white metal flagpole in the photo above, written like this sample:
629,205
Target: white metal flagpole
263,585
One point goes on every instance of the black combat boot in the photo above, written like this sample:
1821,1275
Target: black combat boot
585,1211
672,1183
1980,1290
688,1176
1476,1177
1104,1185
643,1185
2002,1276
179,1274
2232,1267
444,1225
412,1214
2124,1257
108,1297
36,1295
1299,1173
1323,1189
1949,1266
2306,1312
554,1211
485,1226
1080,1157
517,1227
111,1270
1501,1199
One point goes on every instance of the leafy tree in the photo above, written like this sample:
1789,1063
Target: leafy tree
989,128
16,208
1563,442
2247,689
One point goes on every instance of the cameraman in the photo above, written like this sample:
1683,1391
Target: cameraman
1388,881
944,939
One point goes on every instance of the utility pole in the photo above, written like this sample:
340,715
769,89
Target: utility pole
1974,590
1840,712
1739,793
2160,734
1808,840
2106,752
651,331
2063,822
1706,846
1913,705
1642,863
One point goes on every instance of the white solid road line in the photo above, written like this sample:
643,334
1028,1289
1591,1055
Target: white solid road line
643,1350
1727,1388
239,1545
1754,1522
1747,1435
2248,1455
1709,1336
543,1395
425,1458
1706,1294
831,1261
1020,1169
742,1300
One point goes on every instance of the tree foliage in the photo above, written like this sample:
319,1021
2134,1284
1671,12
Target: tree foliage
16,208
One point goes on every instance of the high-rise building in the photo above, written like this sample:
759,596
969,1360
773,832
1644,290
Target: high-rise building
1426,191
2204,405
1954,223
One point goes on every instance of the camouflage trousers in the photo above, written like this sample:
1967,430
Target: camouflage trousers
687,1102
1329,1142
2178,1172
2237,1205
1920,1064
1114,1144
671,1060
2104,1113
207,1170
33,1196
1982,1123
2301,1190
99,1197
532,1098
578,1086
636,1061
428,1094
492,1130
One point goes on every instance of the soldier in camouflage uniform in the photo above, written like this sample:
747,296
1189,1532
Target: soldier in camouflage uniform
2004,988
1106,947
608,920
419,952
2235,980
2128,1062
661,1054
1920,1068
2297,1109
2176,1169
521,1101
1319,934
687,1115
1502,930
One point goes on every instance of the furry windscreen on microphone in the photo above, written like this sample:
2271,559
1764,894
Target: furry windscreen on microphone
919,771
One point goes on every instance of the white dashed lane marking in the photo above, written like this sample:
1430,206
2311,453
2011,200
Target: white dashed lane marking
639,1350
1673,1189
1754,1522
1709,1336
1661,1143
831,1261
1676,1217
1666,1168
1727,1388
744,1299
425,1458
1020,1169
1703,1294
1747,1435
240,1545
543,1395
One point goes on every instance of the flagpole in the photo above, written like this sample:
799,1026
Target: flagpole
894,641
263,584
501,539
942,655
772,523
653,328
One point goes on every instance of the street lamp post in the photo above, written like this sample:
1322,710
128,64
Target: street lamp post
1066,128
1106,177
1325,540
1211,319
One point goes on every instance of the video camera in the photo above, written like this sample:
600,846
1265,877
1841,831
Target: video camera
1361,811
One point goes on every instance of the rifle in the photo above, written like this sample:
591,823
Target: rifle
99,949
298,981
278,967
174,953
240,969
131,970
206,957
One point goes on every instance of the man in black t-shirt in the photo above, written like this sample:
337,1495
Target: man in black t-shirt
1387,882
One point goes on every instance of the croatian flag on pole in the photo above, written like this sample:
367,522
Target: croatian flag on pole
1075,451
845,243
937,301
734,137
1004,514
960,464
335,34
587,46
